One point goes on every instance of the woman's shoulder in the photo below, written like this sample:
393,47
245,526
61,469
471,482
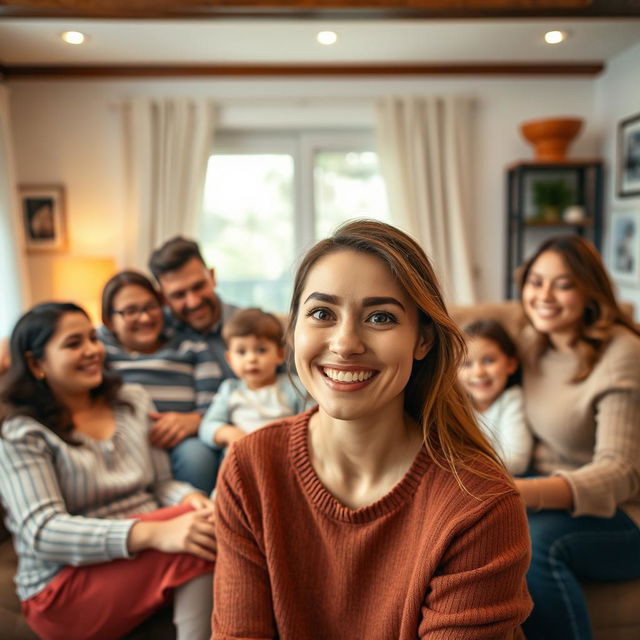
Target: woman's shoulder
19,427
624,341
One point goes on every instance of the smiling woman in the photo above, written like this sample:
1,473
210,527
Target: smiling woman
82,488
389,480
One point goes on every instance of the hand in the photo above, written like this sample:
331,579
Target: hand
171,428
197,500
227,434
192,532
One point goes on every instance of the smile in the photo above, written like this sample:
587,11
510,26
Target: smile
347,376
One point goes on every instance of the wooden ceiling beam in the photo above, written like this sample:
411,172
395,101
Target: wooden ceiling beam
64,72
317,9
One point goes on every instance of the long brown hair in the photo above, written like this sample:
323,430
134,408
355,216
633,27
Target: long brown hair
433,396
601,312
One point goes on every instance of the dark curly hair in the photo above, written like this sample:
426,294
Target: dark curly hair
22,394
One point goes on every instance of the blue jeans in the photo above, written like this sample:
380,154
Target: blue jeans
194,462
565,550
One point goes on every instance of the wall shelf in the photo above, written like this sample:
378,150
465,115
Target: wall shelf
525,232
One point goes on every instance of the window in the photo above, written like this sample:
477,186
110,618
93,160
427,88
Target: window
268,197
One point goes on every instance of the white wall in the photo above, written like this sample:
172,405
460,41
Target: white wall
71,132
617,96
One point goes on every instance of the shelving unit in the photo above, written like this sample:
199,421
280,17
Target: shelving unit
526,230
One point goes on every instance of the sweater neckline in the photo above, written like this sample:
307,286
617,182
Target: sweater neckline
326,502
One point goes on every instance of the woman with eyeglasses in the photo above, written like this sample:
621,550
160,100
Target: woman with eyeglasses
173,371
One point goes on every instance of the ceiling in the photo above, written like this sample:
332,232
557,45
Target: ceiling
37,42
262,34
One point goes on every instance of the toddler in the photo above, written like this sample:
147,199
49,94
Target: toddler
490,376
255,348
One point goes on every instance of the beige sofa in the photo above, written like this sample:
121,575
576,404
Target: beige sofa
614,607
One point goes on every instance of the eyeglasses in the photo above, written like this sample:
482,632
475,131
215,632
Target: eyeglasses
133,312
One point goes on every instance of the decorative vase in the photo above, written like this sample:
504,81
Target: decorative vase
551,137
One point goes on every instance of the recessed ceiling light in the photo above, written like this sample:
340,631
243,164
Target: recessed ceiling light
73,37
555,37
327,37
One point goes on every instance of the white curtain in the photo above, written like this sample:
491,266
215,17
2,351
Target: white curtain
425,149
168,144
13,272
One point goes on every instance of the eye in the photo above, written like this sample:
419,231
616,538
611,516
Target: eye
261,350
488,360
320,313
382,317
565,285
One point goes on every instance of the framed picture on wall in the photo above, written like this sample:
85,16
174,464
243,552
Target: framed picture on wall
43,217
624,248
629,157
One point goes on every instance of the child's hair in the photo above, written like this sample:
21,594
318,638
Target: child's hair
253,322
490,329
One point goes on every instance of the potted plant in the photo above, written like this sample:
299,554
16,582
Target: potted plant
551,198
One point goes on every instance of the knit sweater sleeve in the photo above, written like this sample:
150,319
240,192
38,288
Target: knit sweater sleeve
613,476
479,591
243,606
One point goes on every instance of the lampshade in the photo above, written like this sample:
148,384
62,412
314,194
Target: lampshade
80,280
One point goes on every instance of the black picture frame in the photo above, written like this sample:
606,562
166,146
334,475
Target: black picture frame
629,157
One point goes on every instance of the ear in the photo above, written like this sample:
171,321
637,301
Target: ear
512,366
281,352
212,275
227,357
425,340
34,366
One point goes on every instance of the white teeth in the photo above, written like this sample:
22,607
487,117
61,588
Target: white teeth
347,376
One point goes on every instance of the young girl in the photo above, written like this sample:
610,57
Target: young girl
490,375
81,486
383,513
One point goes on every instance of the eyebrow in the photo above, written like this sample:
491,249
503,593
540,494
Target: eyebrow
367,302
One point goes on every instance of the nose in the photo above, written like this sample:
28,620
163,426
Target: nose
346,339
546,291
192,300
477,368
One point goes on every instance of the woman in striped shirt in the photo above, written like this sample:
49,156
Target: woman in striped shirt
178,374
82,488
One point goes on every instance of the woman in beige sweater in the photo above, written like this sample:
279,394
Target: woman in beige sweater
582,399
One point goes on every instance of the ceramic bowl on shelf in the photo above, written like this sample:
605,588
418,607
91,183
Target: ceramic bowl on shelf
551,137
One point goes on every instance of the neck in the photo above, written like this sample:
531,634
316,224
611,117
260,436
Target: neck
77,403
364,448
563,342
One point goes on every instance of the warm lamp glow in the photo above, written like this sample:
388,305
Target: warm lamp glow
555,37
80,280
327,37
73,37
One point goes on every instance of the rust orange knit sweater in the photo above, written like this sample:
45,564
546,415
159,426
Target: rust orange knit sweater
426,561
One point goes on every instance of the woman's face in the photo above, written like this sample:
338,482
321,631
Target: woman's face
137,319
356,337
73,357
551,298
